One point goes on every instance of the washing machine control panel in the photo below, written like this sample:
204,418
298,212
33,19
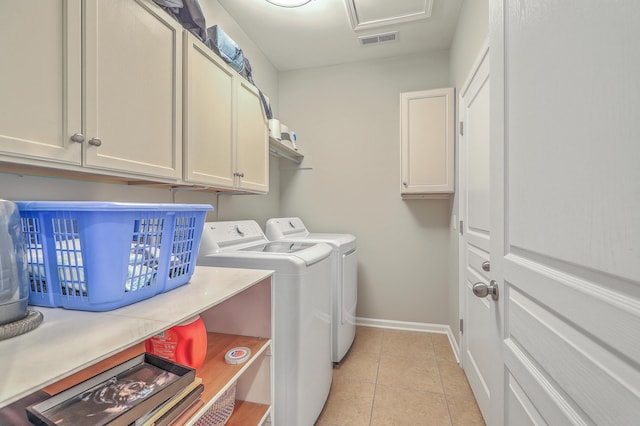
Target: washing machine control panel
219,236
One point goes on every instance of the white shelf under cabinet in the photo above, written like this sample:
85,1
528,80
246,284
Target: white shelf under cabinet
281,149
69,341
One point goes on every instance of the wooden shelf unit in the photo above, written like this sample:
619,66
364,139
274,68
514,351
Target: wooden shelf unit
212,293
216,374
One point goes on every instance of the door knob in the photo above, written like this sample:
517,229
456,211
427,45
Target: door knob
486,266
483,290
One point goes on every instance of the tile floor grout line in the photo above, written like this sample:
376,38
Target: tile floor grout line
375,386
444,392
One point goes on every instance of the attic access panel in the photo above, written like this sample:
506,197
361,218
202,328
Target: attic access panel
365,14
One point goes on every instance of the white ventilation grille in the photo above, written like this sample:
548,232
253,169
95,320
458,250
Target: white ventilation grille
378,38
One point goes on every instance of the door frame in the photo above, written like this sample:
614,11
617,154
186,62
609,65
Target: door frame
484,51
494,414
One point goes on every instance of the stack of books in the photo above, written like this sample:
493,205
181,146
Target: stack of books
167,412
145,390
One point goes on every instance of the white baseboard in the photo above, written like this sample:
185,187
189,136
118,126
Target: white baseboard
413,326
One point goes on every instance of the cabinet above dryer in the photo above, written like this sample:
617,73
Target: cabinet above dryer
427,143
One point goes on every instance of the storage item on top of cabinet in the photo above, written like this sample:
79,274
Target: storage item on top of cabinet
226,134
98,256
97,88
226,48
427,143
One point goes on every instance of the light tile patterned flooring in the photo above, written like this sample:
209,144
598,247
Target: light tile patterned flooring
393,378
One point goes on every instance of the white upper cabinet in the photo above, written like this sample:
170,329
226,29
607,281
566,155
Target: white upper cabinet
98,88
252,139
427,143
40,88
92,84
133,88
208,124
226,132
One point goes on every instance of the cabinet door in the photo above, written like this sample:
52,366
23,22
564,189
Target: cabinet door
252,139
208,117
133,88
427,135
40,88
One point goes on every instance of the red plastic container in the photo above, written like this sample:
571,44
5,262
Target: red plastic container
185,343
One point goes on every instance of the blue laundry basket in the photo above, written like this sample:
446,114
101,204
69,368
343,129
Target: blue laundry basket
98,256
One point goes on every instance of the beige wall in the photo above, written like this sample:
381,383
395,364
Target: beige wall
471,32
347,121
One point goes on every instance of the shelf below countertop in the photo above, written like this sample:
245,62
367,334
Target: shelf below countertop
218,376
69,341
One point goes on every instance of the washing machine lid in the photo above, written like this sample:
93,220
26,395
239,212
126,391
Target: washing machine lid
280,247
245,242
281,262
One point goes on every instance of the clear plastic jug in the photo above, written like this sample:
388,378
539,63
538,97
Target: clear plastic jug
14,278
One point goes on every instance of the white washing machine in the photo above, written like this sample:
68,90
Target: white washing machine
301,311
344,277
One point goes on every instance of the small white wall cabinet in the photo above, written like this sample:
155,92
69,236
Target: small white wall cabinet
225,130
72,346
427,143
98,85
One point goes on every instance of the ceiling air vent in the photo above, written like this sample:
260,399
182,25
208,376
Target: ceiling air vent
378,38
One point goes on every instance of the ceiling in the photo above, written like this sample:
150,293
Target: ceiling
322,33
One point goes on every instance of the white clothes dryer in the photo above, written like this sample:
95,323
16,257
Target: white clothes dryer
301,311
344,277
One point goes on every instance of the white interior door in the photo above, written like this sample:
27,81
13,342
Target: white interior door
565,193
481,337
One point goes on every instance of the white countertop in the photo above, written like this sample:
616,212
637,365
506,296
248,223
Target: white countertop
68,341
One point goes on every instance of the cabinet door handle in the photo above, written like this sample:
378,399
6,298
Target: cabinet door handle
239,174
405,184
77,137
95,142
